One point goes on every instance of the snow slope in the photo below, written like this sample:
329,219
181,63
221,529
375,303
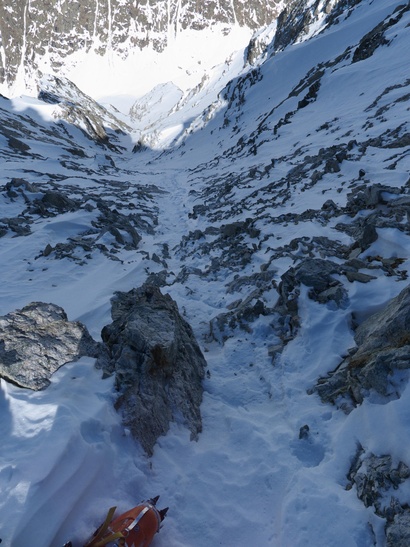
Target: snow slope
249,480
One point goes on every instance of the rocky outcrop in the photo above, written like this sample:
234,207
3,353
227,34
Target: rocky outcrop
375,479
383,349
77,108
37,340
317,274
293,22
377,36
157,362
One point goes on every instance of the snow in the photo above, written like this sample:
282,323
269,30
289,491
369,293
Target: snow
187,57
249,480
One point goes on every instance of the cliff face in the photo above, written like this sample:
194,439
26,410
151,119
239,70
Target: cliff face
35,32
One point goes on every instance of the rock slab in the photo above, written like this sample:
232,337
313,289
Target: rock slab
37,340
157,362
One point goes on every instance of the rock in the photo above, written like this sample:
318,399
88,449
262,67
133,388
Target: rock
383,348
157,362
358,276
365,234
256,48
377,36
48,250
367,197
375,478
315,273
58,201
398,532
37,340
239,228
18,145
242,313
17,187
61,30
304,432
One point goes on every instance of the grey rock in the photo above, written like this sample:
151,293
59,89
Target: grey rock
364,234
58,201
315,273
157,362
18,145
37,340
359,276
375,479
383,348
20,226
374,476
17,187
398,532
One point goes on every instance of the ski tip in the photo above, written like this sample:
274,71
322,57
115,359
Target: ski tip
163,512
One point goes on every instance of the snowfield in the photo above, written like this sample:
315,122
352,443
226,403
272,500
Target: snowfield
251,479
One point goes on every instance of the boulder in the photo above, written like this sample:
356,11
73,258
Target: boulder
157,362
37,340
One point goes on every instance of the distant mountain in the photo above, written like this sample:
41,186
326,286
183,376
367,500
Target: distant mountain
39,36
30,31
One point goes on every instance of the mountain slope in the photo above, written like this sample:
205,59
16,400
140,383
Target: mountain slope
278,222
47,37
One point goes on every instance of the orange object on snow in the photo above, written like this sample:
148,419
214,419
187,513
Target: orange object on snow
134,528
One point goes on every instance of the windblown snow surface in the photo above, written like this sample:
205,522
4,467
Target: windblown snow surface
249,480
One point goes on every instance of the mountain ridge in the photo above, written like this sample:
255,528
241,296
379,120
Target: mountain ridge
31,31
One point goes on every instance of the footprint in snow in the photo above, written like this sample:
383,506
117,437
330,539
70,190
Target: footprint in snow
308,452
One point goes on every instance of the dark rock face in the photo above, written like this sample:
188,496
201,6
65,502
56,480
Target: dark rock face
294,20
383,342
157,362
376,37
37,340
28,30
